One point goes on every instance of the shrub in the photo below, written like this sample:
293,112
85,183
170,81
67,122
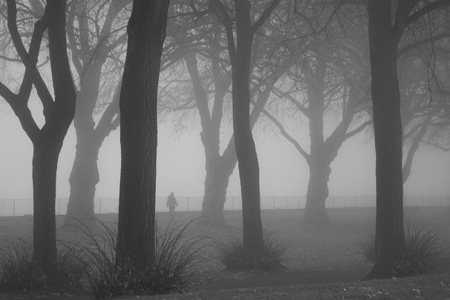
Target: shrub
234,257
176,263
424,250
18,270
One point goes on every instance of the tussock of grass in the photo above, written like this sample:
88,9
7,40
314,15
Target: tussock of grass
18,270
177,260
425,250
233,256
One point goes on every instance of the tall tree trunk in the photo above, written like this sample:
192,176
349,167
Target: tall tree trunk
389,237
138,133
243,138
45,161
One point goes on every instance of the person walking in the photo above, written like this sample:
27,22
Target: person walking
172,203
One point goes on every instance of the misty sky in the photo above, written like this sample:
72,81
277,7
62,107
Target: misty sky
181,165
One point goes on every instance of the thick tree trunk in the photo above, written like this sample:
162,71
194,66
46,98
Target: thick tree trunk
218,172
45,161
317,194
389,237
138,133
83,180
243,138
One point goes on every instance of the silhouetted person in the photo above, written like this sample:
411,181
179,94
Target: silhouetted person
171,203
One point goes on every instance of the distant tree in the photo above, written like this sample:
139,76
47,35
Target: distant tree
208,70
421,115
328,85
58,113
202,84
96,42
240,33
388,21
138,133
219,167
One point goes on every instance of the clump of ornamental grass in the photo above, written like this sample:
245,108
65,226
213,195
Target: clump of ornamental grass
232,254
425,250
176,263
19,271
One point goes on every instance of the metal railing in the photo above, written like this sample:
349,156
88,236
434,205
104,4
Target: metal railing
23,207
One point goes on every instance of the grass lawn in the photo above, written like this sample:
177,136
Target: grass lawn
322,263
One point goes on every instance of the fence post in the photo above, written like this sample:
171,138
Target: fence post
232,203
286,202
14,207
187,203
59,206
273,200
100,204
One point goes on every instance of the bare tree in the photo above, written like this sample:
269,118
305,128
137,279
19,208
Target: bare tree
388,21
240,34
96,42
58,113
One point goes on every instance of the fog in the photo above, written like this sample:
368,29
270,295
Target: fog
283,171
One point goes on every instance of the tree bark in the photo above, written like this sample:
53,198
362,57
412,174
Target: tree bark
389,236
45,160
138,133
245,145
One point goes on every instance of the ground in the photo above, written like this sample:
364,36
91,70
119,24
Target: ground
322,261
